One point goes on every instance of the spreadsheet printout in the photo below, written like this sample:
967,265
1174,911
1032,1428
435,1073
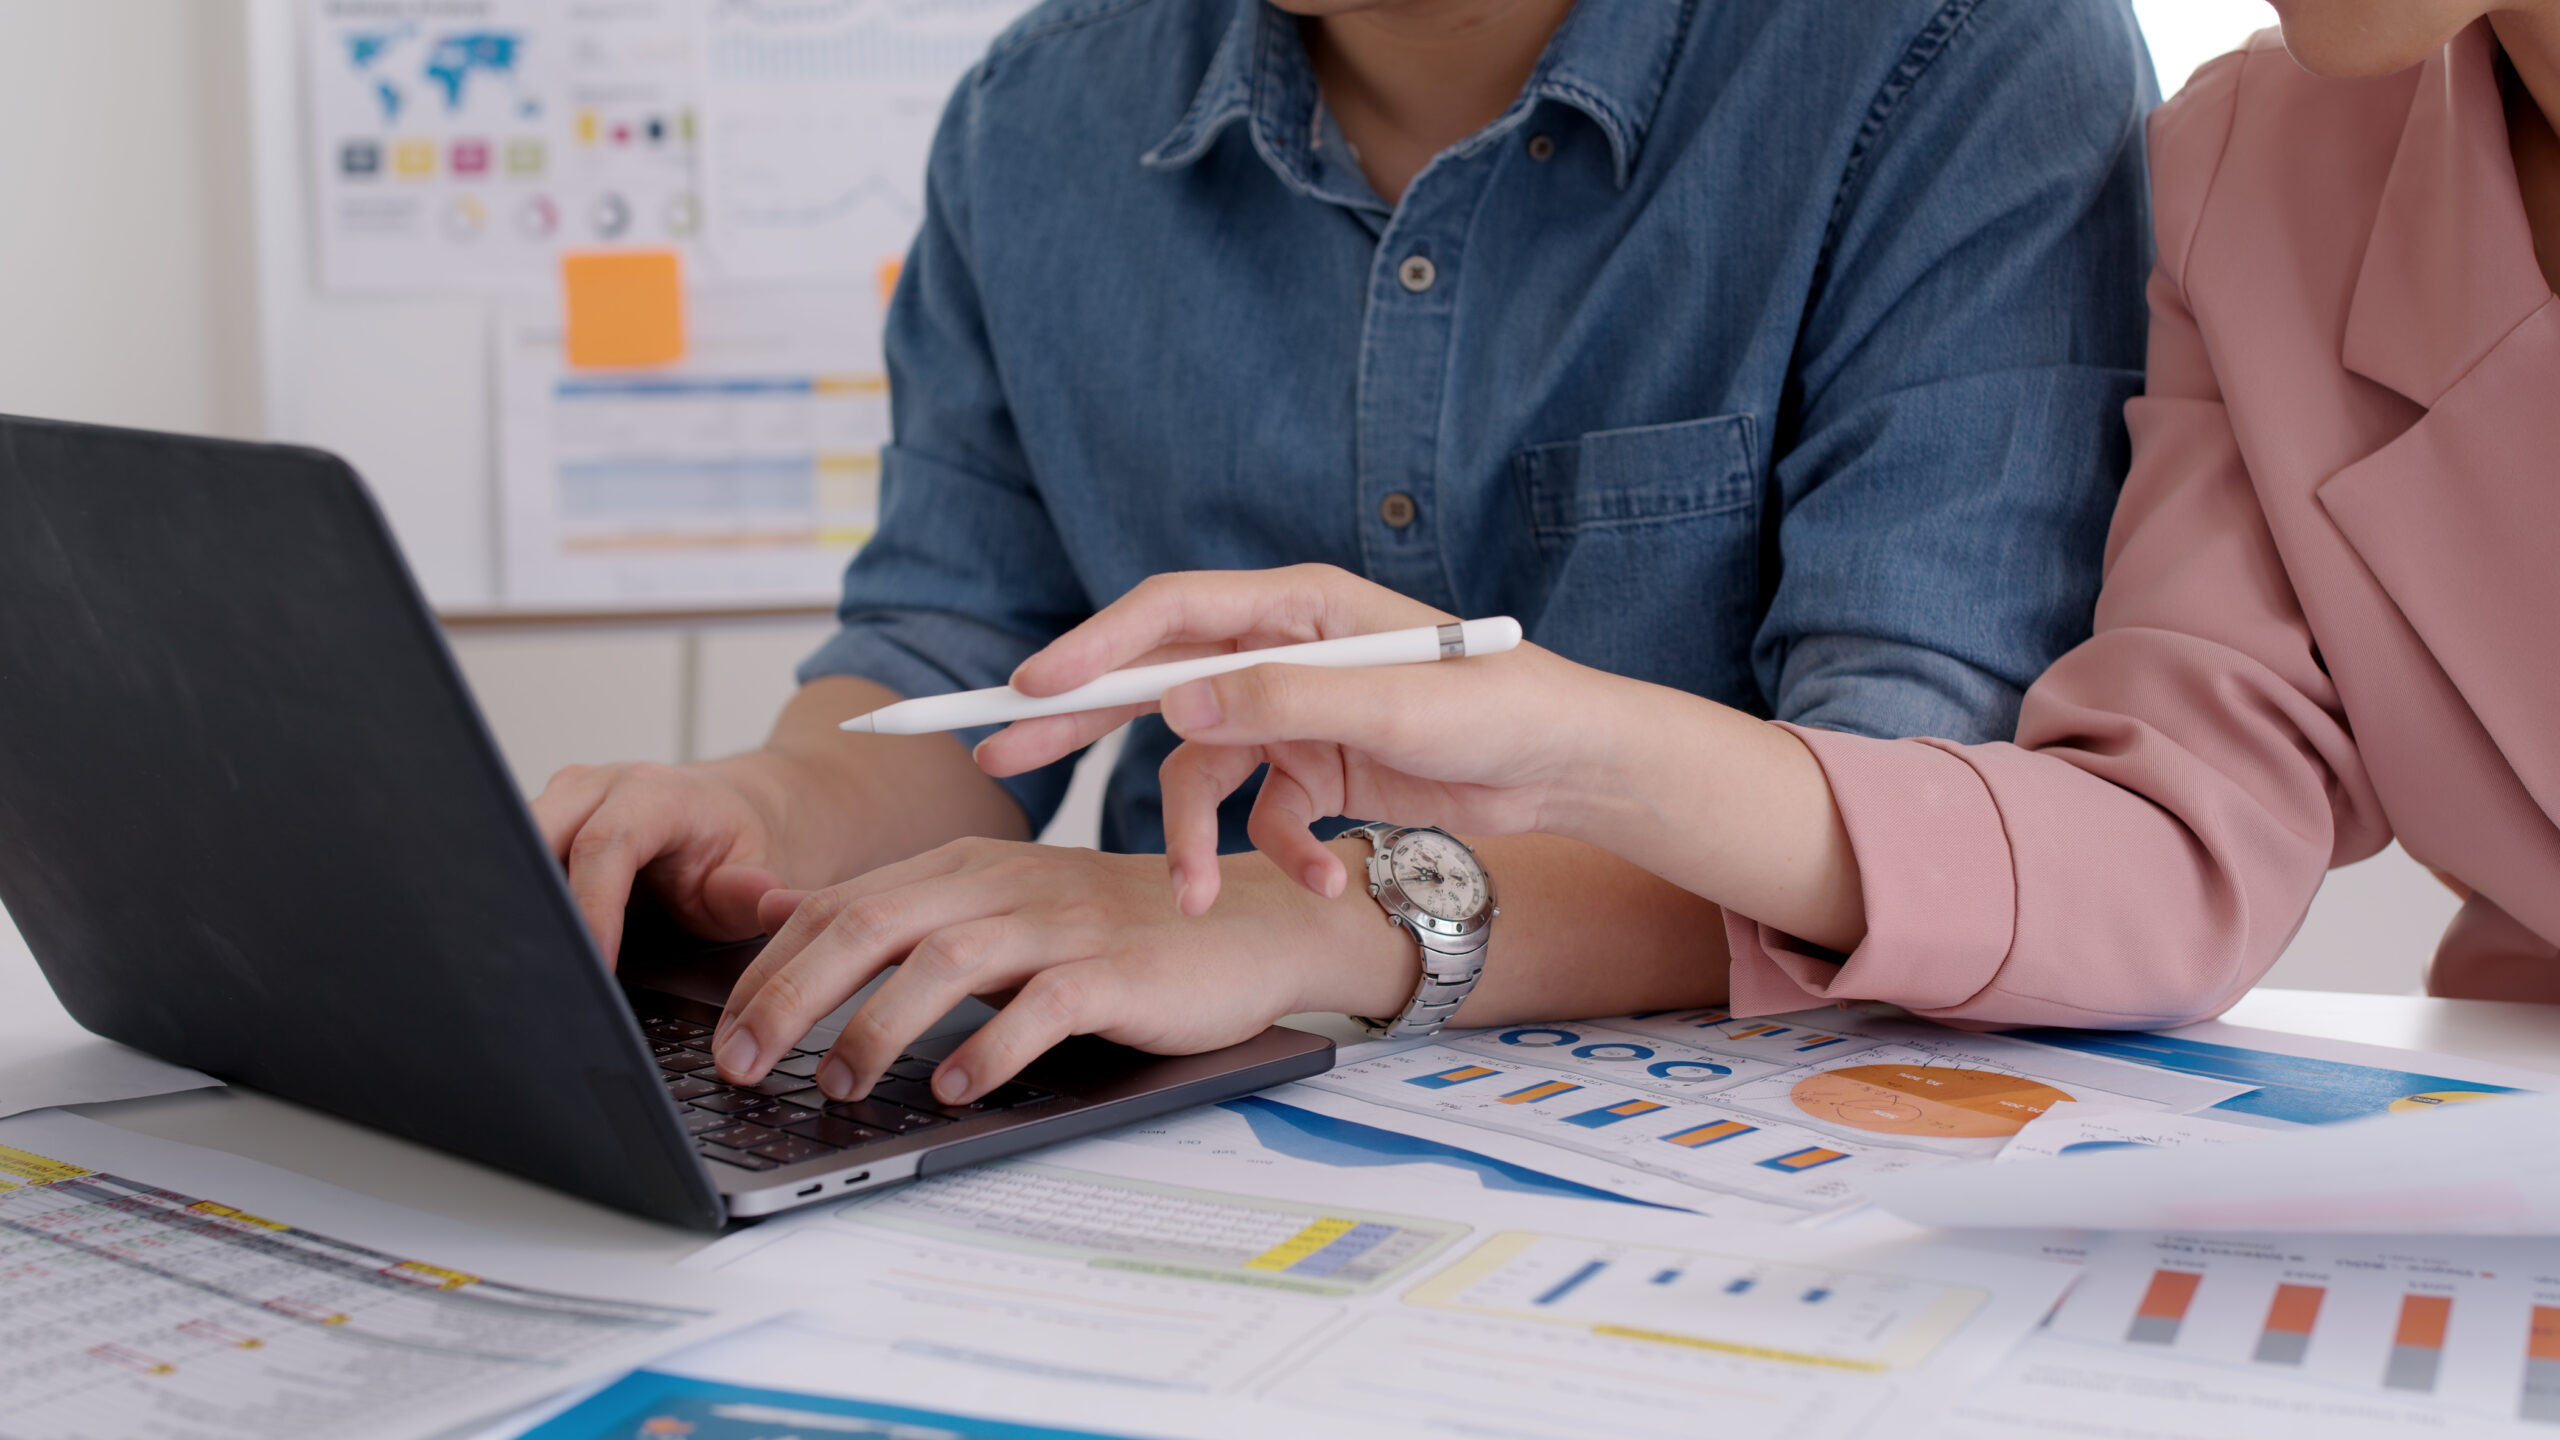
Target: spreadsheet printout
136,1300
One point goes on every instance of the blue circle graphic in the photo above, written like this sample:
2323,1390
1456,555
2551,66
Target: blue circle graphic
1686,1070
1530,1037
1614,1050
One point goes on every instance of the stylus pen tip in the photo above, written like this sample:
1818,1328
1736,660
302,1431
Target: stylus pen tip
860,725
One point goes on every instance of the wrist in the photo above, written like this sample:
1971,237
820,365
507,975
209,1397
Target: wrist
1348,957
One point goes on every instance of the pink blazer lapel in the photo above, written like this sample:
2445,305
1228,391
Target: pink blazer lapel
2459,518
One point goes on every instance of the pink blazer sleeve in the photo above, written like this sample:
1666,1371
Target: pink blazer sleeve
2180,782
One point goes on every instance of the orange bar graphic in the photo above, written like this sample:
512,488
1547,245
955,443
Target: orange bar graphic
2170,1293
2422,1321
1540,1092
1634,1107
2295,1309
1807,1159
2544,1343
1718,1130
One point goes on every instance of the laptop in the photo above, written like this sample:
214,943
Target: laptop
252,823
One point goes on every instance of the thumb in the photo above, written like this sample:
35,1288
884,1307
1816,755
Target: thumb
729,898
775,909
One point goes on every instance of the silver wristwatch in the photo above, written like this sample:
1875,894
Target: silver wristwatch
1432,885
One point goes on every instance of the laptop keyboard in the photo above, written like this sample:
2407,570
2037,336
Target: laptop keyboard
784,1118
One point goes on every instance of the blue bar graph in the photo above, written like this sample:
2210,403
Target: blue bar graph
1570,1283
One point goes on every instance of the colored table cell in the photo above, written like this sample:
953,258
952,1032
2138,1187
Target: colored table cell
1708,1134
1612,1114
2541,1401
2164,1307
2417,1346
1805,1159
2290,1318
1446,1078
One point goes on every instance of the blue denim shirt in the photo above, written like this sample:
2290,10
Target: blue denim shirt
1775,350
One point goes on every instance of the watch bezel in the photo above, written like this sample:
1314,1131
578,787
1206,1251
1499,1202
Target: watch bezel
1401,904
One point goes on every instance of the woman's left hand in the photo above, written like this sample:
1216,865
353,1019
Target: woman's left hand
1486,746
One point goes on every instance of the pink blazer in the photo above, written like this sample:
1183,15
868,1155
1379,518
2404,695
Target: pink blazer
2332,603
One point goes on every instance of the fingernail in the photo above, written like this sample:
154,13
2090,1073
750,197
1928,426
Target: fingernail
1330,886
737,1054
1192,707
836,1078
951,1084
1181,886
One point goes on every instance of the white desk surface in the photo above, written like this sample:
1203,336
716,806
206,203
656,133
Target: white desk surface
325,1148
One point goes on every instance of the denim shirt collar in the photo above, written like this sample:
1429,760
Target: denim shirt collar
1608,60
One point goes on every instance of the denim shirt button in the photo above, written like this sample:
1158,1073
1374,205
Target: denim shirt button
1417,273
1398,508
1542,148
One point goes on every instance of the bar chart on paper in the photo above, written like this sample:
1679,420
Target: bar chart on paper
2470,1323
746,473
1637,1112
1800,1315
1739,1118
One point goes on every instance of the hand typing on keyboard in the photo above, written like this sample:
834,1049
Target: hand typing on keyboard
1073,942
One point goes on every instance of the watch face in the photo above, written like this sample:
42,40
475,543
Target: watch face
1439,875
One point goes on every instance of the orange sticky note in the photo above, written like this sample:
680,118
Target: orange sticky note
625,307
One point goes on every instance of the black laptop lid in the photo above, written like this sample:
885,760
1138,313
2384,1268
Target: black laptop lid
250,820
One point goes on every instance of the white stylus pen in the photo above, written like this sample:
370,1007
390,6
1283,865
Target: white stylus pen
1002,704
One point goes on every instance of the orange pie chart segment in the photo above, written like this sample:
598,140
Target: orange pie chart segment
1932,1100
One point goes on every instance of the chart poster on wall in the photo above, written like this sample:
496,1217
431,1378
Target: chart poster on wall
431,141
457,146
819,115
745,474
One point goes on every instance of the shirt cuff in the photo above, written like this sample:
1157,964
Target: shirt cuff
1934,863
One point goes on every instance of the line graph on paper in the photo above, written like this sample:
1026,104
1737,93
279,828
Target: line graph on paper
818,116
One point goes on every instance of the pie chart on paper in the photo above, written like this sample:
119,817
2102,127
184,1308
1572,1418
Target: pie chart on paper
1936,1101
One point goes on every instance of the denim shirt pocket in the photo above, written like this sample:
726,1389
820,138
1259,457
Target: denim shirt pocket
1649,539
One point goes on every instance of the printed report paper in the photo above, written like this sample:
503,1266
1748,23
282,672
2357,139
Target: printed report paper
1135,1286
154,1289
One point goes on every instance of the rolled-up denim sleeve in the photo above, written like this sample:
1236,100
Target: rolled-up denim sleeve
966,575
1946,475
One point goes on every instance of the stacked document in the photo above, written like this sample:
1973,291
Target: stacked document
1829,1226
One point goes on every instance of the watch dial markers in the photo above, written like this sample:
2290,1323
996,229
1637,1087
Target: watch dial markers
1439,875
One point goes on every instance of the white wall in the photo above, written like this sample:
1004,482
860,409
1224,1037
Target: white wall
124,214
129,294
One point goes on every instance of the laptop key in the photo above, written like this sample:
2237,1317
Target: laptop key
684,1062
881,1115
908,1067
1010,1094
667,1027
804,1066
690,1087
742,1137
775,1114
740,1158
779,1085
791,1150
916,1095
837,1134
725,1100
697,1121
